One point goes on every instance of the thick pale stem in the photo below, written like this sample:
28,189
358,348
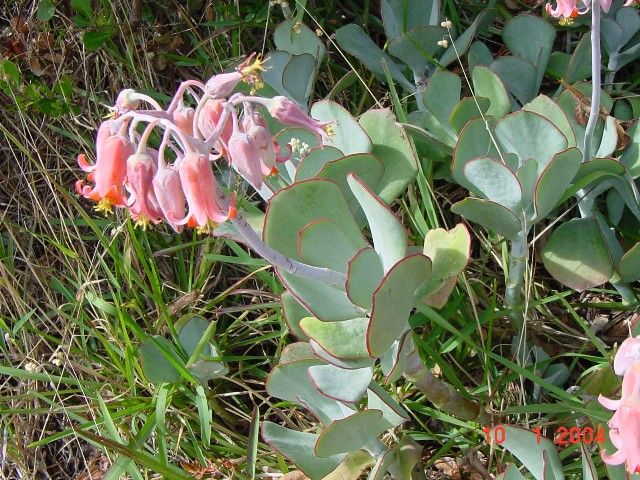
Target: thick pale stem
440,393
515,281
326,275
596,83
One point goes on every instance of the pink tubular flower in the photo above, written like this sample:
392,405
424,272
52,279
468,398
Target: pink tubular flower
255,127
208,120
223,84
244,156
183,118
201,191
566,11
290,114
628,353
169,195
142,202
625,423
109,171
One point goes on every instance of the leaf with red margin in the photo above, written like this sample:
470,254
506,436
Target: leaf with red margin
350,433
364,274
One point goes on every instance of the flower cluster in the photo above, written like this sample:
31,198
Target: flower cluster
625,423
567,10
174,182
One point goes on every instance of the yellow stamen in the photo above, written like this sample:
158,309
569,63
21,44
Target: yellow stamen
142,222
104,206
565,21
254,68
207,229
331,131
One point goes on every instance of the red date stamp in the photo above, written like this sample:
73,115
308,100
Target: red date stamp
563,436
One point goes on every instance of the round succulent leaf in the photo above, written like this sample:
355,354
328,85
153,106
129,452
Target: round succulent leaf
389,235
631,155
474,141
423,123
467,109
609,138
352,466
490,215
321,353
393,301
298,447
530,135
348,135
439,297
323,244
350,433
543,105
366,166
322,300
479,54
598,168
441,95
348,386
379,399
394,360
314,160
298,40
629,265
579,67
400,16
295,206
554,181
418,47
383,463
289,381
353,40
300,135
531,450
293,311
449,254
364,274
495,181
345,340
611,35
528,176
518,75
295,352
298,76
489,85
275,63
157,368
577,256
190,335
393,147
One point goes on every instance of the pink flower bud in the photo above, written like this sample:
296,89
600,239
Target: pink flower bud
208,120
127,100
628,353
244,157
223,84
183,118
206,206
566,10
109,171
169,195
142,201
290,114
255,127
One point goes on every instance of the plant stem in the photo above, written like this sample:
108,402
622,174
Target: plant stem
515,280
596,81
440,393
326,275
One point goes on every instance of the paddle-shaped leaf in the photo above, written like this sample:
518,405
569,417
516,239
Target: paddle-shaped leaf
555,179
344,340
393,301
495,181
293,311
629,265
392,411
474,141
442,94
347,386
487,84
490,215
352,466
389,235
394,360
364,274
529,448
543,105
350,433
315,160
348,135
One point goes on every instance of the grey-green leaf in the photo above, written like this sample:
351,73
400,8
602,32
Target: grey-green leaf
350,433
490,215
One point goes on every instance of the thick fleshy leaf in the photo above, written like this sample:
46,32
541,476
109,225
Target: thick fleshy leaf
609,139
295,352
518,75
490,215
479,54
424,126
393,301
408,454
578,264
393,147
379,470
474,141
392,411
631,155
348,135
389,235
353,40
418,46
528,176
289,381
298,75
293,311
442,94
394,360
487,84
153,357
319,352
348,386
324,301
314,160
344,340
543,105
203,368
467,109
352,466
494,181
364,275
298,447
400,16
555,179
528,448
295,206
298,40
350,433
449,254
629,265
323,244
366,166
530,135
589,471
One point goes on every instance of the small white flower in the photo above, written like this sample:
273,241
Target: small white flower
447,24
318,32
443,43
31,367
